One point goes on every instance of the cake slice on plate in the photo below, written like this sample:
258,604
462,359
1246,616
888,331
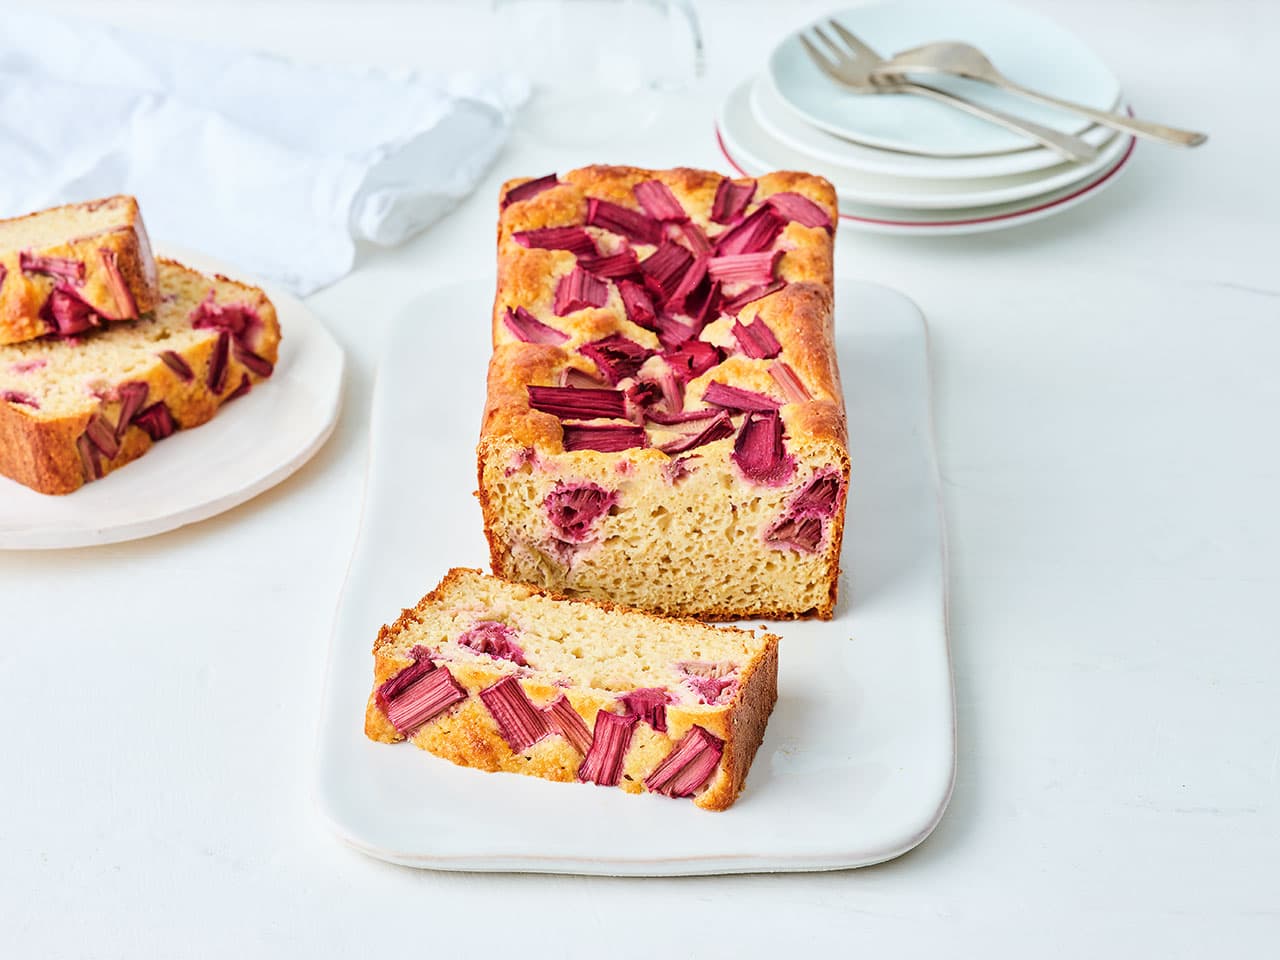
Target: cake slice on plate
69,269
500,676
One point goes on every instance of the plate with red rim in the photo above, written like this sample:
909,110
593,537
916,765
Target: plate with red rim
858,760
251,445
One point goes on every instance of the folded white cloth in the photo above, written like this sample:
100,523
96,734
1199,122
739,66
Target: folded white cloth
274,166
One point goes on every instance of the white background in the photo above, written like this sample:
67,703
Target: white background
1107,404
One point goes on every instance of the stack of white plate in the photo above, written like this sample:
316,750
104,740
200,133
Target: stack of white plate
906,164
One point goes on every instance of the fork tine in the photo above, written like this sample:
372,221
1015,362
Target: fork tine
825,65
860,48
840,54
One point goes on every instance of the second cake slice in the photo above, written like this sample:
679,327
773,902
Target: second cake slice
499,676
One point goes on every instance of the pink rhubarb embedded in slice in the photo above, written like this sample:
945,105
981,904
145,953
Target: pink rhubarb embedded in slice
649,704
631,224
751,268
524,326
575,403
238,319
574,239
672,332
691,291
731,199
792,388
688,766
667,419
617,357
126,306
718,429
578,291
614,267
604,437
102,436
67,313
156,420
676,470
800,533
179,366
754,234
567,722
638,303
657,200
665,268
693,359
244,387
574,508
259,365
695,238
494,638
756,339
759,452
609,744
735,398
750,295
17,396
217,376
520,722
793,206
133,396
819,498
417,694
61,268
530,188
90,458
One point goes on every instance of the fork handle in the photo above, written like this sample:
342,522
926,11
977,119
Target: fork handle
1066,145
1116,121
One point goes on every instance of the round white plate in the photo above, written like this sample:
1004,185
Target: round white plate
748,142
783,125
250,446
876,219
1026,47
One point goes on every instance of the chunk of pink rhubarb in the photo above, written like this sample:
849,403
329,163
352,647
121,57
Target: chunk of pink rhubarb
156,420
718,429
217,375
604,437
26,366
4,273
793,206
524,326
792,388
668,419
573,377
731,199
67,313
178,365
644,393
61,268
126,306
574,239
574,508
573,403
665,268
695,238
691,291
638,303
759,452
678,469
614,267
425,692
735,398
657,200
819,498
17,396
799,533
494,638
519,721
750,295
712,690
579,290
756,339
133,396
649,704
692,359
241,389
754,268
238,319
754,234
528,189
609,744
567,722
625,222
259,365
102,435
90,458
688,766
672,332
617,357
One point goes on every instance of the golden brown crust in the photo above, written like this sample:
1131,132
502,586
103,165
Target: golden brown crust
41,452
468,736
23,294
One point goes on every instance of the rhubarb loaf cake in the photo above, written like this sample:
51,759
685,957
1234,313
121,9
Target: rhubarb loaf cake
501,676
66,270
74,408
665,426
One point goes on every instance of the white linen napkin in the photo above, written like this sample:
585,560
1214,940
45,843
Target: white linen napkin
277,167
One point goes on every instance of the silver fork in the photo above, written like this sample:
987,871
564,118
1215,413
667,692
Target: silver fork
852,65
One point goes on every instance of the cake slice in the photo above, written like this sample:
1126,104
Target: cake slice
73,409
500,676
665,425
67,270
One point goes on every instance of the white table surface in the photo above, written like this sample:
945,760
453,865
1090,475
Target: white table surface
1107,401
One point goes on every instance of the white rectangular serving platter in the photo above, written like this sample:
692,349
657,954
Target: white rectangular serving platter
859,757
